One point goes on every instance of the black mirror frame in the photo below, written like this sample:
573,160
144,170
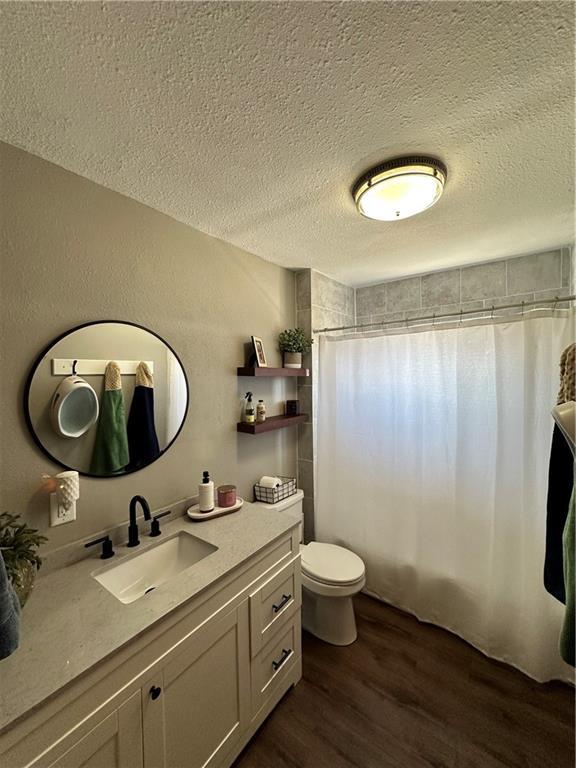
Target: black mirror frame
41,356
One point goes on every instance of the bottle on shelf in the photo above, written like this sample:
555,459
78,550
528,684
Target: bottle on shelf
261,412
249,414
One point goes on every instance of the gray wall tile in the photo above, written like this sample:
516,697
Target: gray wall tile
307,362
371,300
305,398
328,318
394,318
303,320
441,288
567,267
466,306
306,477
308,509
484,281
534,273
305,442
331,294
500,300
403,294
303,289
550,295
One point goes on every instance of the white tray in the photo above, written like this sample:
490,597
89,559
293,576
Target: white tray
195,514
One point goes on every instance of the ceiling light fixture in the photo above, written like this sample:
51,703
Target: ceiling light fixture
400,188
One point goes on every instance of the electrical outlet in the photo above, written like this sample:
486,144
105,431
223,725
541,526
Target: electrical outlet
58,514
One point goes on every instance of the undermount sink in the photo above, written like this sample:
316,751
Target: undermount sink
134,578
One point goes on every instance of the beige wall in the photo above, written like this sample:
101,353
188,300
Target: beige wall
72,251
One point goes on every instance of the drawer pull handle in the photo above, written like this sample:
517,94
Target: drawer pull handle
286,652
282,603
155,691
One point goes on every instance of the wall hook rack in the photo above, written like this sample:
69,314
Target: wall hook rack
80,367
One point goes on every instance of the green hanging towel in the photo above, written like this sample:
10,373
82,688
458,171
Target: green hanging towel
567,638
110,453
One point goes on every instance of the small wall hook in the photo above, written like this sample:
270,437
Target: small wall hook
74,367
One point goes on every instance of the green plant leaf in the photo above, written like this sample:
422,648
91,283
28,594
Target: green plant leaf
294,340
18,543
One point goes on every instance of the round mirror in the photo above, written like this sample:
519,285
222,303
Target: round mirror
106,398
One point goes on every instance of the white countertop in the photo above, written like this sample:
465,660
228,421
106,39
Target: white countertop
71,623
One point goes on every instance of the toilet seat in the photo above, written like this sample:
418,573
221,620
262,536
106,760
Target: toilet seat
331,565
332,590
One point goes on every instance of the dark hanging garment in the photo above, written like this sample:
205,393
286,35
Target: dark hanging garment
142,439
560,484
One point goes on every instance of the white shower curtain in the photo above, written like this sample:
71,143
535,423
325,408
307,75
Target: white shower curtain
432,465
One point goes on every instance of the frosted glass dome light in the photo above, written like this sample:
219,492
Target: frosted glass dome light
400,188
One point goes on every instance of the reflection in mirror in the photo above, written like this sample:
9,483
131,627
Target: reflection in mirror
106,398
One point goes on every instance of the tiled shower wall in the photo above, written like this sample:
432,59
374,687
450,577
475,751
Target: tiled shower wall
540,276
322,302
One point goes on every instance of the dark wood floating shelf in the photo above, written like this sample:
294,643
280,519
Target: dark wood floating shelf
271,423
269,372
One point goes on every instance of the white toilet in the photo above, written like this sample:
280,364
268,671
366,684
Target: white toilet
331,575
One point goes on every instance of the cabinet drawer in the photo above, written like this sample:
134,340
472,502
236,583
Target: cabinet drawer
274,603
275,661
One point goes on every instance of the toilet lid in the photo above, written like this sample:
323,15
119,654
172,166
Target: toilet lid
331,564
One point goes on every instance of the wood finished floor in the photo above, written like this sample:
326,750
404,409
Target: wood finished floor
411,695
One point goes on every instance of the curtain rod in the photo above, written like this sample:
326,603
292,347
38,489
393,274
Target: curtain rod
493,308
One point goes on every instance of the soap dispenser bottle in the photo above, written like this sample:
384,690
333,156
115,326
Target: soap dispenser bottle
249,414
206,493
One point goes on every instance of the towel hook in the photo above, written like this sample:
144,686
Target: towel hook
556,299
74,367
492,313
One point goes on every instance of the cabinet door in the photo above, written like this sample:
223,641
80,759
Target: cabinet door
197,717
115,742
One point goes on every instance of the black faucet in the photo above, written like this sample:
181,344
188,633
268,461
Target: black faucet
133,539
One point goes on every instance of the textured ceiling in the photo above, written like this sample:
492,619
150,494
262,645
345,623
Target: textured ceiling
251,121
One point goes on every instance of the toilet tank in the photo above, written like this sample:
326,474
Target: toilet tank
292,505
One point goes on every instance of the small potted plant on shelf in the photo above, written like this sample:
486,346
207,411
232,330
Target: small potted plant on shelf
18,544
293,342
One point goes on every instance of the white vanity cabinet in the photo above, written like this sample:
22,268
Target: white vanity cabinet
190,691
197,706
115,742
